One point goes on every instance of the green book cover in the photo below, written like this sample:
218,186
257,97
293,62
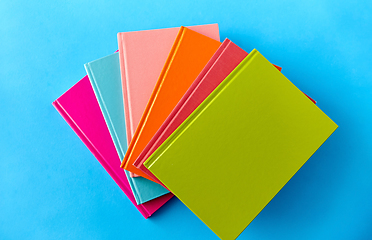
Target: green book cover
258,127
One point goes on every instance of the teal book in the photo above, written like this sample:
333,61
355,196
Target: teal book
104,75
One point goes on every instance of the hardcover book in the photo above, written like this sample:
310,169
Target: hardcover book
191,51
80,109
142,57
256,126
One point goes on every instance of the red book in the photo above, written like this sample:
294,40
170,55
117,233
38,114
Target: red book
225,59
222,63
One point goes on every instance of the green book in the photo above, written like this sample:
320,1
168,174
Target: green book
235,152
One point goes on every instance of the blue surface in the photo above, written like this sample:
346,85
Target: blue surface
51,187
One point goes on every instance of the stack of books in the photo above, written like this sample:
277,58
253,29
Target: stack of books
176,112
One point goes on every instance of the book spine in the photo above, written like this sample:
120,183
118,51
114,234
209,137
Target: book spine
126,94
152,159
98,155
125,87
127,109
104,111
153,96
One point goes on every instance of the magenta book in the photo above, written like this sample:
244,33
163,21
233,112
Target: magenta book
80,109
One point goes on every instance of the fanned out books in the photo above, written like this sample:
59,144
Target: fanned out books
177,112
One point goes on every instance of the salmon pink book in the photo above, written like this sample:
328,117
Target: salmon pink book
190,52
142,57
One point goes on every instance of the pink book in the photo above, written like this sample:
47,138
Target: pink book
80,109
142,57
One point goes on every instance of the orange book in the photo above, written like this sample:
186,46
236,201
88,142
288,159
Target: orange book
191,51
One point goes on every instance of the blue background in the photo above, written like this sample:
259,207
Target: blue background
51,186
